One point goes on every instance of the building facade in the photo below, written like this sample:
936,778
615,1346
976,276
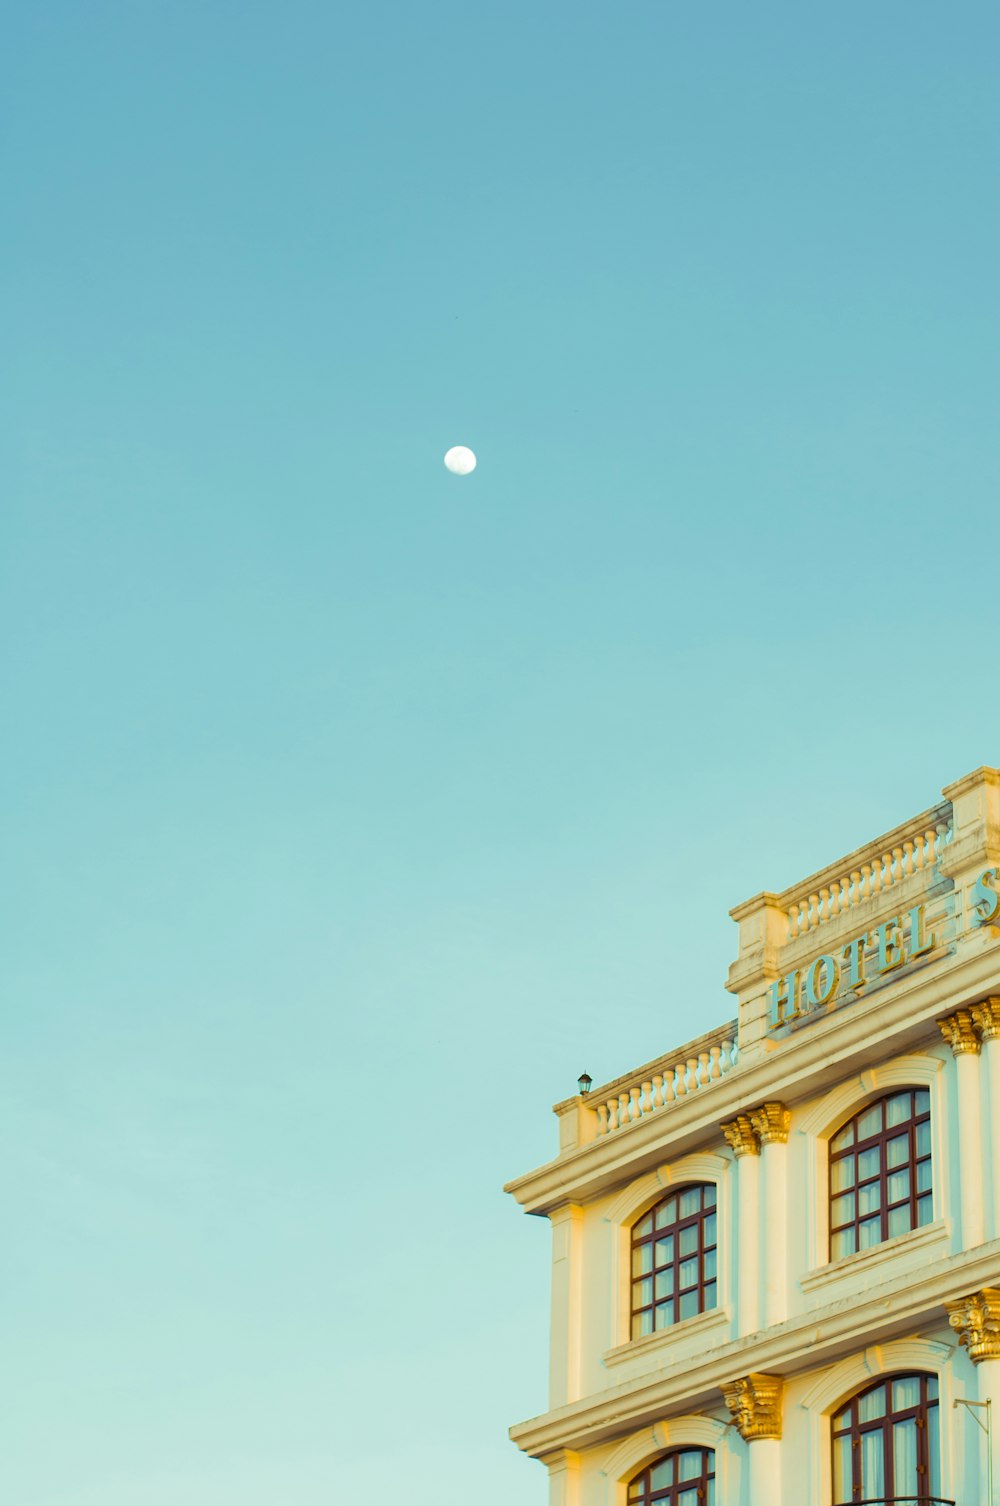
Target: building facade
776,1250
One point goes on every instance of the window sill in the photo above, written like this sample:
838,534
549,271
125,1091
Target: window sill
864,1260
716,1317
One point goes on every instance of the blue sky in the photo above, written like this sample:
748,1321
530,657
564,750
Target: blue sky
354,809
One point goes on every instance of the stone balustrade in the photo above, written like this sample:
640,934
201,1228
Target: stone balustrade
869,872
658,1085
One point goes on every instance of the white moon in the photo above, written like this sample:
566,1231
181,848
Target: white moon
460,460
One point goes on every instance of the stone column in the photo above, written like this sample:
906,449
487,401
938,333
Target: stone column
746,1246
755,1402
986,1019
976,1320
770,1123
960,1033
567,1314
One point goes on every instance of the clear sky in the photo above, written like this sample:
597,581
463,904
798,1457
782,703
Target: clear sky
353,809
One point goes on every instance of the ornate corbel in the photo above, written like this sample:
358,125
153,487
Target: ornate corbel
742,1135
770,1123
755,1402
986,1019
960,1033
976,1320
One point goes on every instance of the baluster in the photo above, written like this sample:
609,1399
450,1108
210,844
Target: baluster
918,851
930,847
835,899
635,1108
612,1113
897,864
793,922
703,1062
943,834
602,1119
692,1068
814,915
680,1082
622,1110
647,1098
657,1090
669,1093
824,904
714,1068
726,1058
855,887
866,880
907,857
877,876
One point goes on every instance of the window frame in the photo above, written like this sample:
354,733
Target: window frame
917,1199
658,1233
926,1412
669,1495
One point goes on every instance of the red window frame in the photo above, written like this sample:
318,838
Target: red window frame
855,1424
675,1259
880,1172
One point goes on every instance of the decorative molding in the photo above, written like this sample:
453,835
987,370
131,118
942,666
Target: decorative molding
976,1320
741,1135
770,1123
960,1033
755,1402
646,1190
642,1448
986,1019
841,1381
848,1097
890,1249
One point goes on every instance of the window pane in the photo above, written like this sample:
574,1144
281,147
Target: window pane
689,1465
843,1138
709,1296
644,1226
870,1233
870,1122
662,1473
690,1202
687,1497
897,1150
869,1198
923,1137
906,1393
872,1405
688,1240
665,1283
665,1250
872,1464
709,1195
869,1163
933,1454
904,1458
666,1213
922,1101
842,1244
642,1293
924,1176
689,1272
642,1260
689,1304
710,1259
842,1483
925,1212
842,1174
842,1209
900,1221
932,1388
642,1324
664,1315
897,1109
899,1186
709,1229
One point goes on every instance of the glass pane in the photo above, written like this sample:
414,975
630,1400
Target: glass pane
642,1260
687,1497
922,1101
842,1483
710,1297
869,1198
642,1293
708,1228
842,1420
689,1272
842,1174
666,1213
872,1464
925,1212
904,1458
662,1473
644,1226
897,1109
665,1283
664,1315
872,1405
709,1194
897,1150
842,1244
689,1465
690,1202
642,1324
900,1220
924,1176
842,1209
923,1137
870,1122
665,1250
905,1393
870,1233
933,1453
688,1240
932,1387
711,1493
899,1186
635,1492
710,1259
843,1138
869,1163
689,1304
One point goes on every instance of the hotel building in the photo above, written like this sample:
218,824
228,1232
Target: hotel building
776,1249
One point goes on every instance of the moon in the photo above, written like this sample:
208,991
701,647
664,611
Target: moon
460,460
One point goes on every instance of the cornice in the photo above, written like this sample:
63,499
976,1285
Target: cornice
895,1020
808,1341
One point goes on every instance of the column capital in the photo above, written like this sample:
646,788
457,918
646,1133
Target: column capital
976,1320
986,1019
741,1135
755,1402
770,1122
960,1033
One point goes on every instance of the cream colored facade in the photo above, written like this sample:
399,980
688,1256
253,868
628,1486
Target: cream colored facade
908,997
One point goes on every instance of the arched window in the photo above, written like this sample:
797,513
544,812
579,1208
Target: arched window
684,1477
880,1172
674,1260
885,1443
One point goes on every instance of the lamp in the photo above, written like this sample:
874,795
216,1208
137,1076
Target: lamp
584,1083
